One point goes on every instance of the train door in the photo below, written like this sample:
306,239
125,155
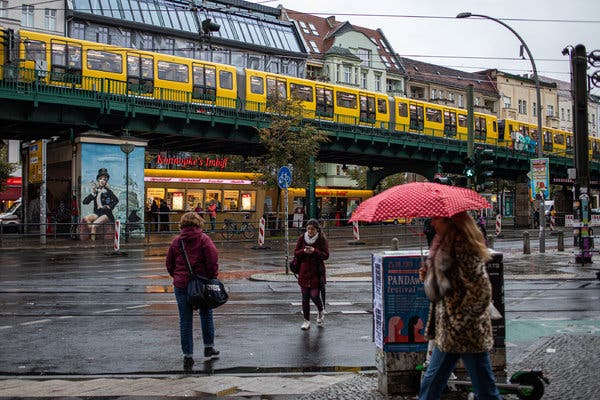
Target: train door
65,62
480,129
547,141
324,98
449,123
367,108
417,118
569,144
33,58
204,80
401,121
140,74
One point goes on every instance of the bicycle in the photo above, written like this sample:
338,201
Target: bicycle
230,228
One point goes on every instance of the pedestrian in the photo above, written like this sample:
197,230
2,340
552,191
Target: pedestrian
481,224
458,286
428,231
204,259
311,252
212,213
164,216
154,212
74,217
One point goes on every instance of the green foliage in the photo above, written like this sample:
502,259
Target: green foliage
289,140
5,168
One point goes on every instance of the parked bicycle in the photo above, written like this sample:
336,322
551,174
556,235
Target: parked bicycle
230,228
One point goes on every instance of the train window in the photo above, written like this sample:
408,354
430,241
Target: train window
416,117
174,72
595,147
257,85
324,102
59,55
382,106
346,100
35,50
301,92
433,115
225,80
276,88
450,122
402,110
66,59
204,80
569,142
367,108
104,61
547,141
462,120
559,139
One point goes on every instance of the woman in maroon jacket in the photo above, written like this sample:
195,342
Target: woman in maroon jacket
204,259
311,251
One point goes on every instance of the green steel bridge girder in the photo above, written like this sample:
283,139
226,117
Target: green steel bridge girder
29,114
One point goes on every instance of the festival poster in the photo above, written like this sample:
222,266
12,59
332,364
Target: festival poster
540,177
103,184
400,307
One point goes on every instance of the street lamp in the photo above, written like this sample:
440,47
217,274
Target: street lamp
127,148
536,78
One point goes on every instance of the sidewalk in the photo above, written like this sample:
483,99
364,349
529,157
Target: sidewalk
569,361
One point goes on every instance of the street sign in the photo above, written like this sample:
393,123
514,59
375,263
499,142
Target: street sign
284,177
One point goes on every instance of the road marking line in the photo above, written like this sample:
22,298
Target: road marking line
140,306
340,303
106,311
65,317
6,327
354,312
39,321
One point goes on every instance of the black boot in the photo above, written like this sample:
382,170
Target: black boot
188,363
210,352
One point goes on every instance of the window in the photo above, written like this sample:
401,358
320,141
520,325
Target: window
34,50
194,198
314,46
365,56
257,85
230,200
433,115
225,80
169,46
568,115
50,19
146,42
461,100
102,35
507,101
378,82
301,92
523,107
363,79
3,8
550,110
104,61
27,15
175,199
402,110
216,195
347,74
346,100
382,106
534,109
433,94
126,39
462,120
248,200
562,114
174,72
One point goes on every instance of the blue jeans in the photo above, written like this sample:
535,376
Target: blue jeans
186,323
441,366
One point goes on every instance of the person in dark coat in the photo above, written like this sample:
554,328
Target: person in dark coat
154,212
204,259
104,202
164,216
311,251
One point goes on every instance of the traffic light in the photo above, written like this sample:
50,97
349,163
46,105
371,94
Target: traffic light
469,170
208,26
483,163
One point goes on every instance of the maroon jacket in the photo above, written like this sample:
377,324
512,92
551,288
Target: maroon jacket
312,266
201,251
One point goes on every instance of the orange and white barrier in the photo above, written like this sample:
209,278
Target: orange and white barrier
117,239
261,232
498,224
355,231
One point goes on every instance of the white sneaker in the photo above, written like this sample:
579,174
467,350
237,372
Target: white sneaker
321,318
305,325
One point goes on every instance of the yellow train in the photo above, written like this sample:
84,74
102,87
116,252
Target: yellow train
58,60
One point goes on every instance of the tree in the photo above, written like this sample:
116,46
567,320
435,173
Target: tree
289,140
5,168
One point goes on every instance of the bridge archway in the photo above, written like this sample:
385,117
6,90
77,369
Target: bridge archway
374,176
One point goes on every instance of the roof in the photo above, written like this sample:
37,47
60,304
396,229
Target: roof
430,73
322,32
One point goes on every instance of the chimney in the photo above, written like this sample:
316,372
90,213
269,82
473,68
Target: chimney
330,21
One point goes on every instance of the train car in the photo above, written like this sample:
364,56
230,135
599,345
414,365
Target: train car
519,135
360,107
94,66
594,148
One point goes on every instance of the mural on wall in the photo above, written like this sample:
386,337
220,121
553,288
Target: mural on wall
104,189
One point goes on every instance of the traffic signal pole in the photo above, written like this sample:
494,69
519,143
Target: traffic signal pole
470,130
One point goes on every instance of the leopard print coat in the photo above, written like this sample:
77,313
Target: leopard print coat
460,321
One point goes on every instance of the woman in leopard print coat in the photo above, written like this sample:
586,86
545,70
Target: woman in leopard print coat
459,322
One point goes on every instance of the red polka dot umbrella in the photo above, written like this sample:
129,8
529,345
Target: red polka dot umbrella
418,199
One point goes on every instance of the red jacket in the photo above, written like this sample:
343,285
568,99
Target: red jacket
312,266
201,251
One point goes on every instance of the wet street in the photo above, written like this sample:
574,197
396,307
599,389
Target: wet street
86,311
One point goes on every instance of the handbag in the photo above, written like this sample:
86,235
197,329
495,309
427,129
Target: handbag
295,266
203,292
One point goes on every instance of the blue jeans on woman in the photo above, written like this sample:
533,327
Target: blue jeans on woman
441,366
186,323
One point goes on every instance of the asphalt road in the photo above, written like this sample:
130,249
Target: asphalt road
83,311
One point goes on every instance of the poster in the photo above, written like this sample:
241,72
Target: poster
539,177
103,185
400,307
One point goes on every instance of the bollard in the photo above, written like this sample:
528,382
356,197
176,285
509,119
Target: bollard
526,244
561,240
395,244
490,241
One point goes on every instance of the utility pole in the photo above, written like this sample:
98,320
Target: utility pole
470,130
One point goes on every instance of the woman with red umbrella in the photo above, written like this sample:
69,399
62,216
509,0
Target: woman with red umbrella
311,251
459,321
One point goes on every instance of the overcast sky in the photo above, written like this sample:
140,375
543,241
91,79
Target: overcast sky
427,30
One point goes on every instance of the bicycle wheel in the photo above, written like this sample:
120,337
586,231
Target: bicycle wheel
248,230
227,231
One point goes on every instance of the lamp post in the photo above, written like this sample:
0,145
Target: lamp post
540,151
127,148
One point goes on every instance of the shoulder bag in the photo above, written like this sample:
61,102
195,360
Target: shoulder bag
203,292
